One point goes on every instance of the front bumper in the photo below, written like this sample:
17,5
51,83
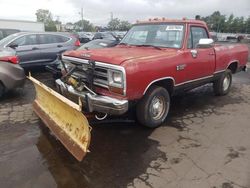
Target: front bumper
95,103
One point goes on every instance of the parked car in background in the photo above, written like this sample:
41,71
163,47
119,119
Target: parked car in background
120,34
105,35
56,66
6,32
99,43
231,39
39,49
83,38
90,35
11,73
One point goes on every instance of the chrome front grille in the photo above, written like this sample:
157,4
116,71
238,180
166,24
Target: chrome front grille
100,74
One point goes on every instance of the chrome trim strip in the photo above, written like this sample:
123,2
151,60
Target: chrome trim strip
194,80
163,78
219,71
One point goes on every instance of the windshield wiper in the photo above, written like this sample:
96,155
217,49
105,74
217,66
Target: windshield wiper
123,43
148,45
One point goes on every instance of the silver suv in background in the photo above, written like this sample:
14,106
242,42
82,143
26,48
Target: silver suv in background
39,49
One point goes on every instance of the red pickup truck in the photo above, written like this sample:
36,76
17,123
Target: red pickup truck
155,60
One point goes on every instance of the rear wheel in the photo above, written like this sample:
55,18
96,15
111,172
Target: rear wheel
223,84
2,89
153,108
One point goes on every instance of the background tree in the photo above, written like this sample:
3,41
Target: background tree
45,16
118,25
220,23
228,26
124,26
84,25
114,24
247,25
216,21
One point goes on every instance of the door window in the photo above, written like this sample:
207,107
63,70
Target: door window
51,39
195,34
25,40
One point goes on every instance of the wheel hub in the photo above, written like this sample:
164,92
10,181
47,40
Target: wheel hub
158,107
226,83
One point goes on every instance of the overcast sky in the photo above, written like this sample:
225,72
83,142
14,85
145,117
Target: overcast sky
98,11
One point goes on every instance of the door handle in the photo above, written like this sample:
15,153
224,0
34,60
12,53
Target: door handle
211,53
35,48
194,53
59,46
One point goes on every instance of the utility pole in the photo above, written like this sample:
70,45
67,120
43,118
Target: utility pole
111,16
82,18
58,23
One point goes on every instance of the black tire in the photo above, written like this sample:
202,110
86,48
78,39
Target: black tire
2,89
222,85
150,115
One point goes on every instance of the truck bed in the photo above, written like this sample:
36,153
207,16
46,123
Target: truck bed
227,53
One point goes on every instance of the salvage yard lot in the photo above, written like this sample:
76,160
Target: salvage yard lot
204,143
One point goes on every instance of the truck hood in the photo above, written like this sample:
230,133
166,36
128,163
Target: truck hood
119,54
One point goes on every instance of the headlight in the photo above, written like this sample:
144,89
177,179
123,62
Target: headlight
115,78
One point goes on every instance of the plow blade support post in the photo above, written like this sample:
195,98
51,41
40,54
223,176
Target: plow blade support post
64,118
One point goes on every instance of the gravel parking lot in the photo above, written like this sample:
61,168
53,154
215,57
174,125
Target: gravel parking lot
204,143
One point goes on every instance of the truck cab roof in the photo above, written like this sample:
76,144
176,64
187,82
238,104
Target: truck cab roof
166,20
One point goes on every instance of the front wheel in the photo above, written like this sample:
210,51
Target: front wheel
153,108
223,84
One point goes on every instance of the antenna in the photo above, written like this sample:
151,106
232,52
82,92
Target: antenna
111,16
82,18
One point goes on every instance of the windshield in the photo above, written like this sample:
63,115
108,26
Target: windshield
5,40
160,35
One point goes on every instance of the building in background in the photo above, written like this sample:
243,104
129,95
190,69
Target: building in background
21,25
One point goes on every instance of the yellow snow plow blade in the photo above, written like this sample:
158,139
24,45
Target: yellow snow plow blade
64,118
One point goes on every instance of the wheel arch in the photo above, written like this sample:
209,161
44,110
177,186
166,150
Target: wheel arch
166,82
233,66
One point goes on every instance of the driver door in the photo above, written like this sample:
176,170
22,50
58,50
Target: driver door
200,62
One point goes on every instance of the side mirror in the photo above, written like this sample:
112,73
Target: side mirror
205,43
14,46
